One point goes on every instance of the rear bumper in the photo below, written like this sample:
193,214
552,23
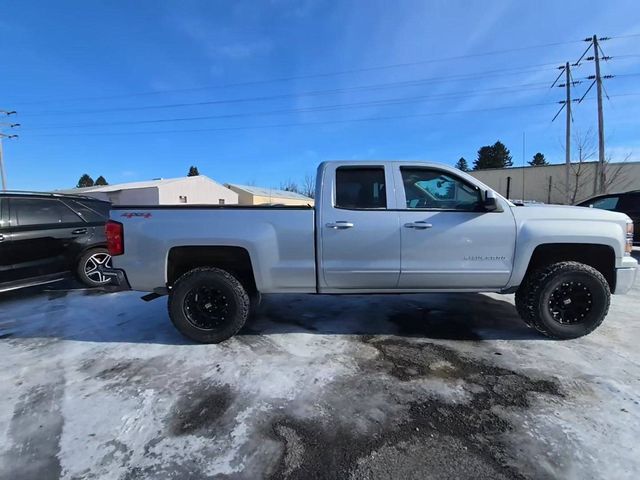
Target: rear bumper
626,276
118,278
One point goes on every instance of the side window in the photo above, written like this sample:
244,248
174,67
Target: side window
87,213
433,189
37,211
102,208
606,203
360,188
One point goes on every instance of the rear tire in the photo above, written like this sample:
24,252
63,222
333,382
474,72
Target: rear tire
208,305
564,300
90,265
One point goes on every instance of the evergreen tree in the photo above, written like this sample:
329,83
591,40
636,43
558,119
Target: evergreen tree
538,159
493,156
101,181
193,171
85,181
462,165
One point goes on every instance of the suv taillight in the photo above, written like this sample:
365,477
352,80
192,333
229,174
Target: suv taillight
115,238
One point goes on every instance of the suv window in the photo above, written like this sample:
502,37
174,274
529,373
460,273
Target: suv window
90,212
360,188
606,203
433,189
41,211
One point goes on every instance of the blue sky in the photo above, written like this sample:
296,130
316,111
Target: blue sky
91,82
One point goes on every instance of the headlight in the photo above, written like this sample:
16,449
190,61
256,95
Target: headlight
629,246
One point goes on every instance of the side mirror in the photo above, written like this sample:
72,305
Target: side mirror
490,202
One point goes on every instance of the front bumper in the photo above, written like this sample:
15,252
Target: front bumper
626,276
118,278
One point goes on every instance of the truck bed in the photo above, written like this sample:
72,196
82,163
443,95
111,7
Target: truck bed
280,241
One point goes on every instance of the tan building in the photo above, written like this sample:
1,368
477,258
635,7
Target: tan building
547,183
250,195
198,189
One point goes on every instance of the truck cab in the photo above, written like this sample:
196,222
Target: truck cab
409,226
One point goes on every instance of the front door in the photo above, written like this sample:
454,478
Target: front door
448,240
360,237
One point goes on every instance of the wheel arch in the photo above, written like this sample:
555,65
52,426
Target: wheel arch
599,256
233,259
87,248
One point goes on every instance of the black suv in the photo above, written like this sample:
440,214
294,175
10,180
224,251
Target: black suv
44,236
627,202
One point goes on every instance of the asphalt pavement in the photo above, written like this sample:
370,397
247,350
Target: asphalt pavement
99,385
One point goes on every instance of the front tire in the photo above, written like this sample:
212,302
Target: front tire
208,305
564,300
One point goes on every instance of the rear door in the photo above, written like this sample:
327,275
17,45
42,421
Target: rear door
359,244
44,235
448,239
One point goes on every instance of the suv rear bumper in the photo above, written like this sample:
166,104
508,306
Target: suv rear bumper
626,276
118,278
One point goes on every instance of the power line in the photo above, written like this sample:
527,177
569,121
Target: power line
321,108
624,36
383,102
312,75
313,93
299,124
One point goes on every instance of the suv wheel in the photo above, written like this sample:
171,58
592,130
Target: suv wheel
208,305
564,300
91,265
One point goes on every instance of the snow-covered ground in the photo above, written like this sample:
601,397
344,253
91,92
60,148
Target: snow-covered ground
100,385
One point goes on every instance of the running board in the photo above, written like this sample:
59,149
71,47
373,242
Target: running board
157,293
32,282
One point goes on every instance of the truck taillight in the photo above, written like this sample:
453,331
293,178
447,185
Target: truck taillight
629,247
115,237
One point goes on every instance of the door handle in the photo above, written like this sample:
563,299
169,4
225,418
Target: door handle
79,231
1,238
340,225
418,225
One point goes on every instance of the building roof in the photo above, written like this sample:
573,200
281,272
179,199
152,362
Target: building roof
131,185
551,165
268,192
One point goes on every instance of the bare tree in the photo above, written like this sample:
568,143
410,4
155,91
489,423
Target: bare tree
579,174
289,186
309,186
614,178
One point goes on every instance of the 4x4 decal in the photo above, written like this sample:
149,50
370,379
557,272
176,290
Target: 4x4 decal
136,214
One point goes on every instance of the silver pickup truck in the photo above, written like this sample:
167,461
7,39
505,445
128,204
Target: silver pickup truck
377,227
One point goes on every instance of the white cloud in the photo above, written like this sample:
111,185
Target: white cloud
241,50
219,43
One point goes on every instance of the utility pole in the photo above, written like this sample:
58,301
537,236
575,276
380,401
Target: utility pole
4,176
600,172
523,163
3,135
567,149
566,69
